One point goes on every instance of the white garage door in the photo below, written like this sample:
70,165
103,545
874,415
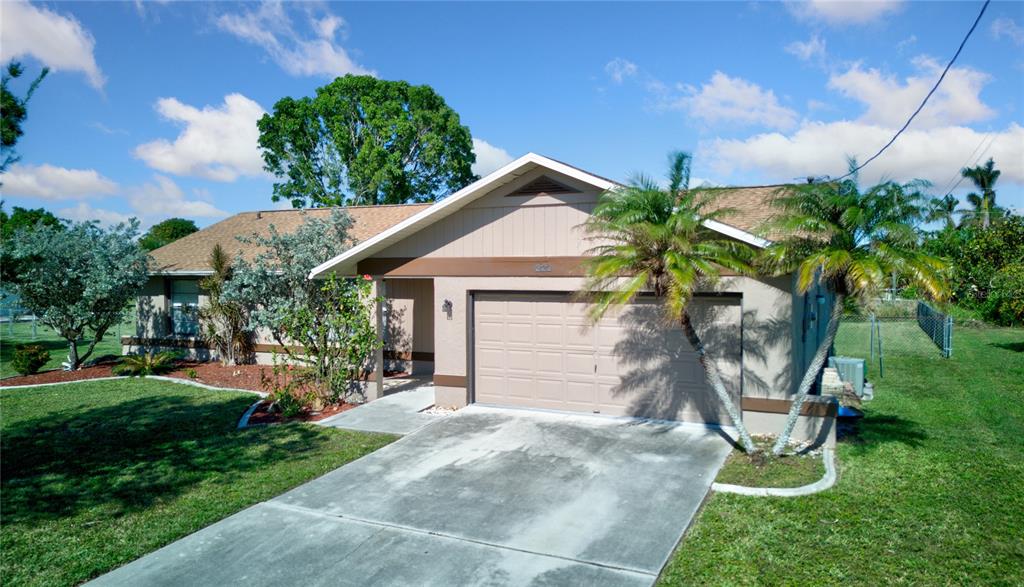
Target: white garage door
539,350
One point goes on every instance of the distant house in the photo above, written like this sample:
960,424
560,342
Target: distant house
478,293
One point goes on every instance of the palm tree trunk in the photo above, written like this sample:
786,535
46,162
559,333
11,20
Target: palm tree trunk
811,374
984,211
715,380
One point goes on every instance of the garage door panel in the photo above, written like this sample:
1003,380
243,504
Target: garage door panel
550,389
580,392
519,360
549,361
490,359
632,362
579,364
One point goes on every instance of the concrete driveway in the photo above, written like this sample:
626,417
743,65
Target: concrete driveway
487,497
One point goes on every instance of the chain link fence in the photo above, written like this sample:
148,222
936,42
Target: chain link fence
908,328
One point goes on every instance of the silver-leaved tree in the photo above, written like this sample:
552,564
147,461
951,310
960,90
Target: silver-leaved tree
77,280
325,326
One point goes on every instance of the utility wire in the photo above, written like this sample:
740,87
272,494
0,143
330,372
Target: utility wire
921,107
959,177
970,158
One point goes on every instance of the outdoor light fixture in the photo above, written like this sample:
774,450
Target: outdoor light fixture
446,307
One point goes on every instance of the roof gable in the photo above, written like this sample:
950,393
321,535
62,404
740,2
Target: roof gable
542,185
345,263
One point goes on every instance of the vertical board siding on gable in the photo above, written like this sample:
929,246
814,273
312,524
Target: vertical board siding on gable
501,231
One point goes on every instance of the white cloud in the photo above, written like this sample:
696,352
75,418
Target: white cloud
912,39
619,69
1005,26
844,12
812,49
83,212
730,100
163,198
59,42
488,157
218,143
890,102
50,182
819,148
270,27
107,130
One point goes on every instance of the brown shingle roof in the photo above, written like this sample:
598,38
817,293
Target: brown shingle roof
191,253
752,205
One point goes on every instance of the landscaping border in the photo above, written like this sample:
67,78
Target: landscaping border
262,394
826,482
243,422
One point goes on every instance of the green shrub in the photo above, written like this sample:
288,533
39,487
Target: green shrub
29,358
1005,303
152,363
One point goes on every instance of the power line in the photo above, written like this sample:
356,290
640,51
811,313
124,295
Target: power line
959,177
970,158
925,101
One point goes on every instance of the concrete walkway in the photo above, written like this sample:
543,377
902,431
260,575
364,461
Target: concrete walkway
398,413
485,497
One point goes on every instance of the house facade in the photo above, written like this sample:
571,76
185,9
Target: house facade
479,292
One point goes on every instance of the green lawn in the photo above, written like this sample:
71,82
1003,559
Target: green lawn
931,494
15,333
787,471
95,475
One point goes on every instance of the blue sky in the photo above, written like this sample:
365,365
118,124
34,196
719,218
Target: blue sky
150,108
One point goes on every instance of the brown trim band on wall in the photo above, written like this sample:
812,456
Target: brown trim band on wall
473,266
477,267
408,356
449,380
782,406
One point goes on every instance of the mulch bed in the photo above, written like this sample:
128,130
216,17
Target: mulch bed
262,415
214,374
57,376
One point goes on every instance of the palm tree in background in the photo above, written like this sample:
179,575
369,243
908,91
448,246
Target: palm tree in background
653,239
943,210
850,242
984,206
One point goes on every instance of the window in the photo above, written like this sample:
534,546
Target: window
185,307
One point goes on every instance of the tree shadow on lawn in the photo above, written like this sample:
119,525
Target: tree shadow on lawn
129,456
1017,347
876,430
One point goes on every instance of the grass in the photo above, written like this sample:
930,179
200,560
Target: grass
932,493
95,475
12,334
786,471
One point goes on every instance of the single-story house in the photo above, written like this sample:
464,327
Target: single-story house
478,292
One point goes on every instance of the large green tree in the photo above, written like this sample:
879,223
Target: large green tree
26,219
653,239
852,242
77,280
983,263
13,111
362,140
166,232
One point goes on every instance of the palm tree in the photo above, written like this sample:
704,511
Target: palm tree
984,178
849,241
653,239
943,210
224,321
